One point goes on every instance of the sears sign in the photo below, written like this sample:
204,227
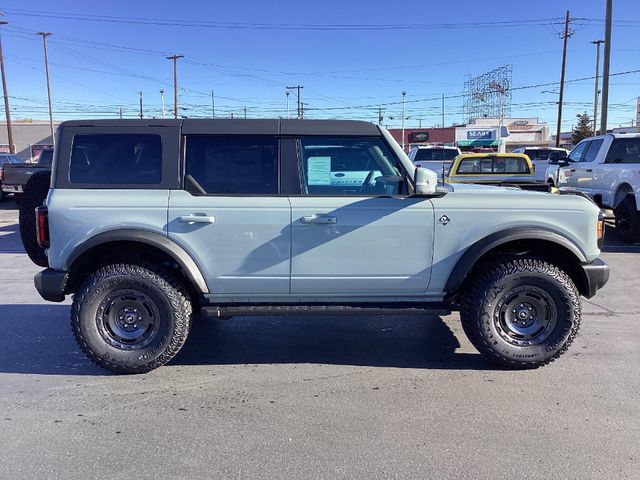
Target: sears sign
479,134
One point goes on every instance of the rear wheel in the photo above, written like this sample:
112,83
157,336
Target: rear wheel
521,313
34,195
131,319
627,220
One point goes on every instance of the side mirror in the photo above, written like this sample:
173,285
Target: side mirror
425,180
563,162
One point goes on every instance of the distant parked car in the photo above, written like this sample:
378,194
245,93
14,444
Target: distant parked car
541,157
15,176
6,159
501,169
436,158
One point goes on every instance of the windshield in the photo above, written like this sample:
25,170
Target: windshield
541,154
425,154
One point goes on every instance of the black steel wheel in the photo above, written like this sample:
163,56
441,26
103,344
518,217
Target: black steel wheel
521,313
131,319
627,221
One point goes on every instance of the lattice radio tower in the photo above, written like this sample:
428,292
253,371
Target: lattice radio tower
488,95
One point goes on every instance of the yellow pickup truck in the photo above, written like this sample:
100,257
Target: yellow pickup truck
502,169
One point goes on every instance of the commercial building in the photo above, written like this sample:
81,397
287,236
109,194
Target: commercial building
422,136
28,138
481,133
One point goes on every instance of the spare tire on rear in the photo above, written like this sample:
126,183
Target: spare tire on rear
34,194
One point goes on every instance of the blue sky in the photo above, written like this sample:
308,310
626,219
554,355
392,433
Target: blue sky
249,51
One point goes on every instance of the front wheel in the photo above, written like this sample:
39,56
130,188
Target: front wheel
628,220
131,319
521,313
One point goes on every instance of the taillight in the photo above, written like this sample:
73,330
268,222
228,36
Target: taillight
600,229
42,226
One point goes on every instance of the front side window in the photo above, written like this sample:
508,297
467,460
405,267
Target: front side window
577,152
349,166
624,150
116,159
228,165
493,165
592,151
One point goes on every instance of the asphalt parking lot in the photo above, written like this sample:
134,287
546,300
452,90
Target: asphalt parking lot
318,397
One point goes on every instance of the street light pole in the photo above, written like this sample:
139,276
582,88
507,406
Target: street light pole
12,148
404,94
44,36
605,68
288,114
595,102
175,82
162,101
141,114
213,106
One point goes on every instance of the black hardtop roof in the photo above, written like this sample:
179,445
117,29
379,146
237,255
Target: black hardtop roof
227,126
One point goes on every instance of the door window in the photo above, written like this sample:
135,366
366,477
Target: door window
228,165
577,152
592,151
349,166
624,150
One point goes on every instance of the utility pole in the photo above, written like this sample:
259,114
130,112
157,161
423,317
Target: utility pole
120,113
605,68
287,94
175,82
44,36
443,112
213,106
565,36
297,88
245,112
141,114
404,94
12,148
162,101
380,117
595,102
301,110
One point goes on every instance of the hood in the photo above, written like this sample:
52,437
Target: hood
473,187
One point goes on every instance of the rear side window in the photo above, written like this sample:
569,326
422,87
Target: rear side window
116,159
493,165
242,164
578,151
624,150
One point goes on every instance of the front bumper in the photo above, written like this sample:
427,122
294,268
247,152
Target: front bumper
51,284
597,275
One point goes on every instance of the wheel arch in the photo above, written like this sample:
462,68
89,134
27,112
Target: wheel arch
124,245
544,244
624,190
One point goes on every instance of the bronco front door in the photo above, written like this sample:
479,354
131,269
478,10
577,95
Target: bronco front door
355,232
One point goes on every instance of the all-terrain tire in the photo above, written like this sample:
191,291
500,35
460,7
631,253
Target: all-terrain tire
627,220
511,286
108,298
34,195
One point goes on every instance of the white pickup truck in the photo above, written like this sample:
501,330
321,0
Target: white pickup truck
607,168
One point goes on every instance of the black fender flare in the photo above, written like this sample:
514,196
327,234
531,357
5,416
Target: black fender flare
477,250
161,242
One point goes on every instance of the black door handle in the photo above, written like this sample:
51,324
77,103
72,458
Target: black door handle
589,170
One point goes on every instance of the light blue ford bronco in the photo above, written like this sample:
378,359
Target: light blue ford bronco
147,222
